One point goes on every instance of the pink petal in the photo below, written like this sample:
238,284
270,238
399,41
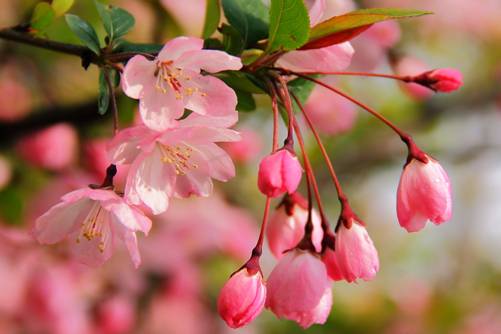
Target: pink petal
212,61
198,135
123,148
316,9
176,47
127,216
159,110
220,164
138,74
130,240
225,121
151,180
62,219
214,97
196,181
329,59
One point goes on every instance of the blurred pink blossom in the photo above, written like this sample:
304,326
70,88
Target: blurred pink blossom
54,148
409,66
247,148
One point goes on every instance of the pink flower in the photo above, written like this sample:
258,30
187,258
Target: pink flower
299,289
279,172
189,14
116,315
53,148
286,226
246,149
443,80
424,193
93,221
172,82
333,58
354,256
330,113
316,9
177,162
242,298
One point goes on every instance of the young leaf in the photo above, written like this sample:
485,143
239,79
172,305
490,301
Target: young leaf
212,17
342,28
61,6
246,101
84,32
233,42
103,100
117,21
43,15
249,17
289,25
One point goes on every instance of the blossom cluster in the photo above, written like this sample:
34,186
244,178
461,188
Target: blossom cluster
176,150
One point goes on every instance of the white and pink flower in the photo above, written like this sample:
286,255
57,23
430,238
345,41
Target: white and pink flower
93,221
178,162
173,81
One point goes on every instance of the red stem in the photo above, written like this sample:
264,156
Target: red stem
405,78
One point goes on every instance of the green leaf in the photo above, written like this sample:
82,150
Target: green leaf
249,17
84,32
233,42
116,21
125,46
342,28
246,101
289,25
43,15
103,101
212,17
61,6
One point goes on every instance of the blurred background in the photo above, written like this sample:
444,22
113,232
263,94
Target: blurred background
444,279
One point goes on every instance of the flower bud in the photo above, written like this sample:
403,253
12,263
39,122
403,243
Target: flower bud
279,172
286,226
424,193
354,256
299,289
443,80
242,298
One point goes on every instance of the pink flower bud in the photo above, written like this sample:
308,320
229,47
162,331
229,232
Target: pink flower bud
354,256
242,298
299,289
443,80
424,193
53,148
279,172
286,227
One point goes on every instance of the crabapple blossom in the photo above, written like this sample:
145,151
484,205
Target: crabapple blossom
93,221
286,226
299,289
279,172
424,194
443,80
53,148
242,298
354,256
173,81
178,162
246,149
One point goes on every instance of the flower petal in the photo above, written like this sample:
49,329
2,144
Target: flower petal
220,164
176,47
123,148
159,110
137,74
212,61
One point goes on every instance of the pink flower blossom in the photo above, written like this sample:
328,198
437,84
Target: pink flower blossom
443,80
424,193
93,221
330,113
316,10
299,289
116,315
279,172
246,149
333,58
286,226
177,162
172,82
354,256
53,148
189,14
242,298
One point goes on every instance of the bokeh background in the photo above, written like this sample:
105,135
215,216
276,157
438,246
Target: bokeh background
444,279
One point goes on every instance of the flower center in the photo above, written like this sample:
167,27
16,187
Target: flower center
92,227
173,77
178,157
